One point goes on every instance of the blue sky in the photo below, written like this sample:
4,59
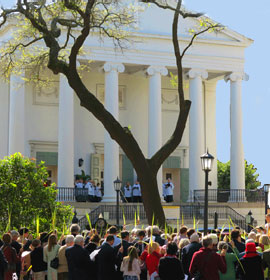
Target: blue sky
252,20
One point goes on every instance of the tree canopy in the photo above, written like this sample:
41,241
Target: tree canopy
26,198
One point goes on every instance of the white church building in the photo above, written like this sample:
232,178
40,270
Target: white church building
50,125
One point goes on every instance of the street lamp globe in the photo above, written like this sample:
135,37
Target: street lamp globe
266,187
117,184
207,161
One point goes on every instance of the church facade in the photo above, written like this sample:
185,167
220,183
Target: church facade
49,124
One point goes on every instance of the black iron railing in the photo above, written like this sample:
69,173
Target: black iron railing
126,211
72,194
193,210
215,195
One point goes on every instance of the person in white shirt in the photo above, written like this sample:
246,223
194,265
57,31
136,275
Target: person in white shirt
136,192
167,189
79,192
79,184
91,192
128,192
98,193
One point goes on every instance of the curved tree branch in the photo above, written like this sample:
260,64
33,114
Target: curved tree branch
184,14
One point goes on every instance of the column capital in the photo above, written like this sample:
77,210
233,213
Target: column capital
152,70
197,72
114,66
236,76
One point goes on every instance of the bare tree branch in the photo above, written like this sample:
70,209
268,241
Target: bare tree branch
182,13
195,35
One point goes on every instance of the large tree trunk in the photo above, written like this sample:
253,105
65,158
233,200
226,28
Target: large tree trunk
151,197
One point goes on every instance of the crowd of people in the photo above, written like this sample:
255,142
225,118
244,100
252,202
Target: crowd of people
146,254
129,193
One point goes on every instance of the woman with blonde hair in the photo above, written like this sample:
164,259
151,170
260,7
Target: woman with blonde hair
131,265
50,252
264,244
152,259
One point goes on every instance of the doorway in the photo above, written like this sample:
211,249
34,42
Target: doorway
52,174
174,175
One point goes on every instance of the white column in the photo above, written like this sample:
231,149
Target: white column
4,117
237,152
111,148
65,134
196,128
210,127
155,114
16,139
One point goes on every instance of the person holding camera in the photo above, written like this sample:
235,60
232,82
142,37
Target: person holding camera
168,190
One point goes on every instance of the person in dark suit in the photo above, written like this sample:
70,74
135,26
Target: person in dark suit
188,251
78,260
124,243
140,243
106,260
3,265
120,255
170,267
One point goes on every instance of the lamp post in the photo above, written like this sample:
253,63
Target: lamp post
266,188
117,187
206,161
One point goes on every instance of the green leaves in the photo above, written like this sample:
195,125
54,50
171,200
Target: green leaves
24,200
251,176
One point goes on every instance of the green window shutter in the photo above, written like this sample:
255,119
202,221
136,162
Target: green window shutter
50,158
172,162
184,184
95,167
127,170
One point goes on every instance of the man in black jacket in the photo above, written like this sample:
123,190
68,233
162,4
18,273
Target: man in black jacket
170,267
188,251
78,260
236,238
38,265
107,259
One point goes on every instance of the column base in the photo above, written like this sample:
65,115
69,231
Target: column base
108,199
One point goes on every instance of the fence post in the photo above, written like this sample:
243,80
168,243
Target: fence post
216,221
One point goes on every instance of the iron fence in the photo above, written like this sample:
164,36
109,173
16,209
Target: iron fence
238,195
72,194
126,211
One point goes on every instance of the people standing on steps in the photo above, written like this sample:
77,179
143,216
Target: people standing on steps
91,192
136,192
128,192
167,189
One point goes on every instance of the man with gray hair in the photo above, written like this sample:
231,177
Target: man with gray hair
63,266
78,260
206,262
75,229
188,252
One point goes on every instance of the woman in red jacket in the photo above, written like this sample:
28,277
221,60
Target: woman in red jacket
152,259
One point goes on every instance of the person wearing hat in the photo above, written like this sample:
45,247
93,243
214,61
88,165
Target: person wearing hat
250,266
188,251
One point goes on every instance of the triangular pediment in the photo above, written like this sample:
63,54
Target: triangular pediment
157,21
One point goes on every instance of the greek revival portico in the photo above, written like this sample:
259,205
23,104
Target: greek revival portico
201,91
55,122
